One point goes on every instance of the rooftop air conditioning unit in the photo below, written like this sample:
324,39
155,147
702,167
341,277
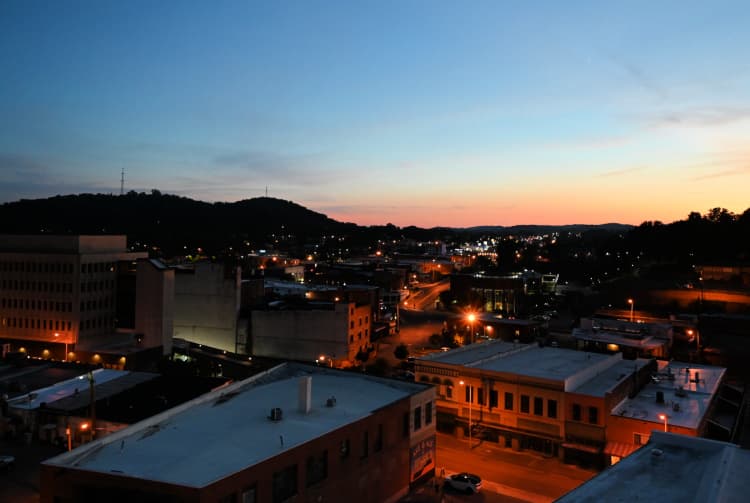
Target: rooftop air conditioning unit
276,414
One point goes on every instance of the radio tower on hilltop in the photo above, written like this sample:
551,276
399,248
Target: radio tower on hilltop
122,181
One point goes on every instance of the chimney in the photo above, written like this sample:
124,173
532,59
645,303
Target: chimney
305,394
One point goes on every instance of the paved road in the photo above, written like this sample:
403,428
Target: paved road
521,475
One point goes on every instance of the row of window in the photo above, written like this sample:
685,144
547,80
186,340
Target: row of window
351,322
55,267
54,286
37,324
36,286
529,405
359,336
57,325
418,417
42,267
37,305
55,306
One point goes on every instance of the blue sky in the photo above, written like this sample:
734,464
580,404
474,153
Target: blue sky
415,113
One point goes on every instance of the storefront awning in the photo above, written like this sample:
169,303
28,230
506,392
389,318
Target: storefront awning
620,449
582,447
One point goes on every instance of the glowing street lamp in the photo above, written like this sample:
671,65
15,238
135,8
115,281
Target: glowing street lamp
472,318
664,418
471,400
632,304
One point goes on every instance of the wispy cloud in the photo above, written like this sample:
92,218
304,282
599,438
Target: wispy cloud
724,173
26,177
619,172
639,77
707,116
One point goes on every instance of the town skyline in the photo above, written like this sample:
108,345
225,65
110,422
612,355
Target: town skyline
425,114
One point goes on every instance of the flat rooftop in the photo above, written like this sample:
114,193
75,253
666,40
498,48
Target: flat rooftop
687,390
575,369
229,429
72,394
607,337
672,467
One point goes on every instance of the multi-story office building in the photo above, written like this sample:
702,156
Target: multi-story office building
59,292
295,433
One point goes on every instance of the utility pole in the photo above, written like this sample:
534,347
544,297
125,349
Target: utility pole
92,400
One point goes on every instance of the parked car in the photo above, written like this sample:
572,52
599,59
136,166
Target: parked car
7,462
464,482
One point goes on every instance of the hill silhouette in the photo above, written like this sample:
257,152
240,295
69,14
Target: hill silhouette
172,223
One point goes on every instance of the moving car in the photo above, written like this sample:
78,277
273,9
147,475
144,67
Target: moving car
464,482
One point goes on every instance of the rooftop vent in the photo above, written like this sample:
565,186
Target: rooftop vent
657,453
276,414
331,402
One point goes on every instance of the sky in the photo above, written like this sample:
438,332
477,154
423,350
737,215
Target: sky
420,113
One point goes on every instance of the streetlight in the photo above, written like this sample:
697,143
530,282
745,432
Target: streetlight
472,317
487,328
471,400
664,418
632,304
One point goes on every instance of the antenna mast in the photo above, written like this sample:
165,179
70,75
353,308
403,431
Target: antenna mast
122,181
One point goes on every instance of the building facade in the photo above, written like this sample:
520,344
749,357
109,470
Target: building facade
526,397
59,292
207,305
336,331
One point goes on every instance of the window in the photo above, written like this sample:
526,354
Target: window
638,439
538,406
365,444
525,404
480,396
405,424
428,413
417,418
593,415
493,398
552,408
344,449
249,495
378,446
284,484
317,468
508,401
449,391
576,412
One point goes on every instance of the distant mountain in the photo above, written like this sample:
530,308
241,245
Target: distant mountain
171,222
547,229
